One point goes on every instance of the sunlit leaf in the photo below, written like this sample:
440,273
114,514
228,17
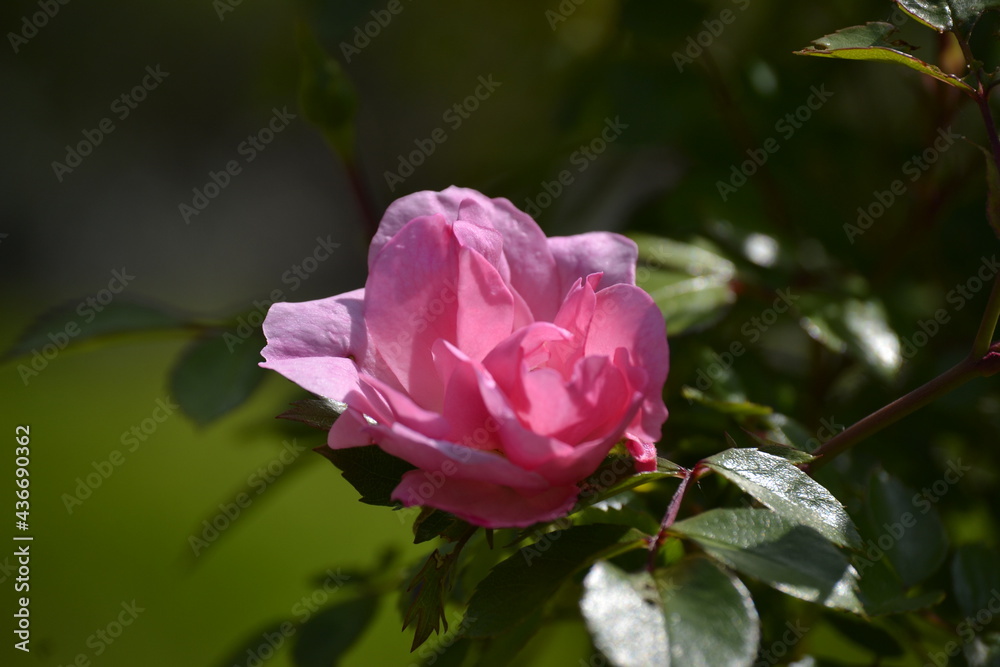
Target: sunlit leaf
870,42
689,614
793,558
787,490
945,15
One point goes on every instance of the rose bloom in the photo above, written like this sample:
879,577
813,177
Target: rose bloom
502,364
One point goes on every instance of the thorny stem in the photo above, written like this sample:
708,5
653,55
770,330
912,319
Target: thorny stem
669,518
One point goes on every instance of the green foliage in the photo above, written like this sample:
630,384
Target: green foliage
764,545
325,638
788,491
213,376
870,42
370,470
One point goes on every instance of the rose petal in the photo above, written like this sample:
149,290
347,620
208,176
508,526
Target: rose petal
525,247
594,252
626,317
330,377
484,504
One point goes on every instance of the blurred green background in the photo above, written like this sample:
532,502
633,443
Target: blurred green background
564,70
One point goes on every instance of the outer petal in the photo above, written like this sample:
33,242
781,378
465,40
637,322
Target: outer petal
489,505
594,252
525,248
331,377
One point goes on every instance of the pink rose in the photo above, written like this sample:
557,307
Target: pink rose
504,365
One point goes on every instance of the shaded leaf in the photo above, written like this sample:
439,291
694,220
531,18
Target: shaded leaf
792,558
319,413
326,96
370,470
787,490
330,633
691,285
910,524
433,523
866,635
992,191
870,42
616,475
975,577
71,324
253,644
860,328
737,409
516,587
426,596
881,589
214,376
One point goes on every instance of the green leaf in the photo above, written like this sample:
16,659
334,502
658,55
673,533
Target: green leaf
253,643
691,285
787,490
710,616
213,376
326,96
624,616
523,582
860,328
427,594
501,650
617,474
319,413
792,558
869,42
71,324
330,633
689,614
866,635
945,15
433,523
881,589
910,525
370,470
975,577
738,409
